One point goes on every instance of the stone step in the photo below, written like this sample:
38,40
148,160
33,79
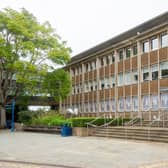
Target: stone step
146,138
137,133
133,131
134,134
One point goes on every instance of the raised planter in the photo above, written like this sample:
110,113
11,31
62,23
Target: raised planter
81,131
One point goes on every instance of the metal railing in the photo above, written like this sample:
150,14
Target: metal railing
160,120
133,121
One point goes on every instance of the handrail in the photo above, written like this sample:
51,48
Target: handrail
131,122
89,123
159,119
107,124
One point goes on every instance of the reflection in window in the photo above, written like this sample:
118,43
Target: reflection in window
128,52
145,102
113,81
102,106
128,78
121,104
135,103
164,40
107,105
154,101
135,76
164,69
113,58
146,47
128,103
164,100
107,82
145,71
154,70
135,51
120,79
113,103
154,44
121,55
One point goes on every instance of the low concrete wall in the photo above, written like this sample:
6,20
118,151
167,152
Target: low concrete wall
18,127
80,131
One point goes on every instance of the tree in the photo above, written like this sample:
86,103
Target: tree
28,50
57,84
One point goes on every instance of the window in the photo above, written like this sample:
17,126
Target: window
154,101
145,71
164,69
135,103
113,103
86,107
102,61
145,47
107,60
86,87
113,81
135,51
121,104
121,55
135,76
164,40
107,82
164,100
128,78
154,70
102,106
73,72
93,65
154,44
145,102
120,79
102,84
128,52
112,58
107,105
128,103
86,67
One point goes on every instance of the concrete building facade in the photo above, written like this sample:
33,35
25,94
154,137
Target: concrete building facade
126,75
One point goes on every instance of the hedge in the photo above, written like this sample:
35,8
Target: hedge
82,121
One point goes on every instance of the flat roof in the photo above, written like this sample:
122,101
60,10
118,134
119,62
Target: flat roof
158,20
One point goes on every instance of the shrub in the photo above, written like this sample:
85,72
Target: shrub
25,117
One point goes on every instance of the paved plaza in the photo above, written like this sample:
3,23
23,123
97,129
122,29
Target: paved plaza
83,152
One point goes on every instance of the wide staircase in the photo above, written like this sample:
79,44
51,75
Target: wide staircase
136,133
136,129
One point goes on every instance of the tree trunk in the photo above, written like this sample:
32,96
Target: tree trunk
2,117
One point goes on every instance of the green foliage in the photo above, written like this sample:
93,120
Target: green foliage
82,121
25,117
58,84
28,51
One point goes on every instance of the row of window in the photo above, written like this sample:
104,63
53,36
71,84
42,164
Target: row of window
124,53
149,102
153,43
127,78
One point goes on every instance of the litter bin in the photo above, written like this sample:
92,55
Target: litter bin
66,131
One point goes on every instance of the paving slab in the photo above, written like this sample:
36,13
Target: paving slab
84,152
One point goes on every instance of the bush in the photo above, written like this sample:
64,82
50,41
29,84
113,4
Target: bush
82,121
25,117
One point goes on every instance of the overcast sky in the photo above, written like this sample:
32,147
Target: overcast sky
86,23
